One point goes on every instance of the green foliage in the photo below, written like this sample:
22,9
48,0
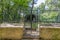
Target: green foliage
34,25
53,4
51,13
48,16
9,9
42,6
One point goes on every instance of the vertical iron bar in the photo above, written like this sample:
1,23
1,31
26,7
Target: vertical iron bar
2,11
24,18
37,17
9,9
31,13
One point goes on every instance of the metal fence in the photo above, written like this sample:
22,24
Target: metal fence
17,14
26,14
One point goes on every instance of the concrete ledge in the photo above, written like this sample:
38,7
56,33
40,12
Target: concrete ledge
11,33
49,27
50,33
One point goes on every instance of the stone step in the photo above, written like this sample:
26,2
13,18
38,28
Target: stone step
30,39
30,35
